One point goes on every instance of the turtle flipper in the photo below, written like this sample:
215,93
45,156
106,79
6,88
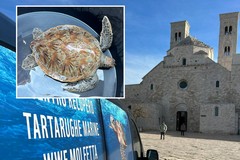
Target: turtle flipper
106,34
37,34
83,85
29,62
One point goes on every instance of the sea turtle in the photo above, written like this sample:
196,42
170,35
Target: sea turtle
68,53
118,129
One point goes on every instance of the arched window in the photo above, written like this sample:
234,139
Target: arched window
230,29
216,110
227,50
226,30
217,84
176,37
151,87
179,36
184,61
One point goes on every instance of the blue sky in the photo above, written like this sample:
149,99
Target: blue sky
148,26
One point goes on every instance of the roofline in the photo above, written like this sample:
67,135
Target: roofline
207,46
179,21
152,69
229,13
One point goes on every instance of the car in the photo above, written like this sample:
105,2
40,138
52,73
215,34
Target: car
62,128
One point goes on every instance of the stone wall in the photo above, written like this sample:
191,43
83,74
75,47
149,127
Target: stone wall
151,119
194,56
167,95
223,122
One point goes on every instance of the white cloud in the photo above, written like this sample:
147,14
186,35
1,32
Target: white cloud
138,65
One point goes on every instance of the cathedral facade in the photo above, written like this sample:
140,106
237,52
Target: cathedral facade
189,87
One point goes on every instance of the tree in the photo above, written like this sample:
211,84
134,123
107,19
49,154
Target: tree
139,112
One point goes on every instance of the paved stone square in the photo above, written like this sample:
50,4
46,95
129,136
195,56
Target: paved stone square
193,146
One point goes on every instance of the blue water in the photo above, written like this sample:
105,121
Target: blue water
14,142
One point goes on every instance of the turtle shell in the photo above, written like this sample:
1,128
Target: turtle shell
67,53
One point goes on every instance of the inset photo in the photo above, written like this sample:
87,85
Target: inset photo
70,51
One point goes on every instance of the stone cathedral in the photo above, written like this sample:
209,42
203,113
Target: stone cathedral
189,87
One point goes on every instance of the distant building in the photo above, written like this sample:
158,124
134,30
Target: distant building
189,87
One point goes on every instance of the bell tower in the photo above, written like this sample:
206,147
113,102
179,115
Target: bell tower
179,31
228,39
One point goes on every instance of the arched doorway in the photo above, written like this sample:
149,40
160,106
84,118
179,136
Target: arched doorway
181,118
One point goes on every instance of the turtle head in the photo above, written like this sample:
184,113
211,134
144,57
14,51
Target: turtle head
29,62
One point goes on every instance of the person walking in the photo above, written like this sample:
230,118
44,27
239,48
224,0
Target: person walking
163,130
182,129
